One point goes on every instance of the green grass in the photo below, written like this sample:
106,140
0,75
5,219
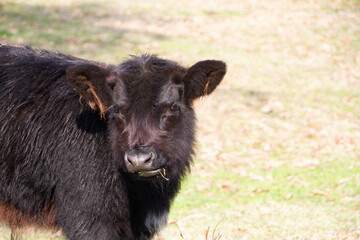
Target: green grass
278,142
270,194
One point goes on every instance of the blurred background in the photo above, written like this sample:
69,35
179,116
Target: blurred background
279,140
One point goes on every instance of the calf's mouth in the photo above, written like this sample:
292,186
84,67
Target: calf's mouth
153,173
150,173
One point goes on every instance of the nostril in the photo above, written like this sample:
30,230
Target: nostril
150,157
147,160
127,159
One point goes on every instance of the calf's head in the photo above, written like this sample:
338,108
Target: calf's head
147,102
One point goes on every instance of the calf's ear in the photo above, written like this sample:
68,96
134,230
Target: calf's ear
202,78
89,80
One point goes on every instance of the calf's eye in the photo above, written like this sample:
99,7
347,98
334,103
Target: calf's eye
175,107
116,109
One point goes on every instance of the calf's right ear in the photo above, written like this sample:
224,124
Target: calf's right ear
89,80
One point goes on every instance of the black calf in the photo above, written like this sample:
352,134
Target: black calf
96,150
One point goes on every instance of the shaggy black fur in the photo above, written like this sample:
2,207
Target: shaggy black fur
66,124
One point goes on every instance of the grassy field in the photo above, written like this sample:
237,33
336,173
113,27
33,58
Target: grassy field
279,141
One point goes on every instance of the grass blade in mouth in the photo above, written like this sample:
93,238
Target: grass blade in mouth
149,173
161,171
163,175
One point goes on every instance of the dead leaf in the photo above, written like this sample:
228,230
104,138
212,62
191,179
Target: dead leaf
321,193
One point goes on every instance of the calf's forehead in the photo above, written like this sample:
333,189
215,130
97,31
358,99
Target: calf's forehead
148,82
170,93
148,92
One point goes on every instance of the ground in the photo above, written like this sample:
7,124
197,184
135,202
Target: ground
279,141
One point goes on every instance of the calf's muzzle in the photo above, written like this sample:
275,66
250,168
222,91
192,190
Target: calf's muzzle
141,160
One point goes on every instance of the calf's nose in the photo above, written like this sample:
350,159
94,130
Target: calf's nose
139,160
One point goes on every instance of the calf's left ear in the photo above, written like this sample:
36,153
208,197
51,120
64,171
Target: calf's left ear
202,78
90,81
